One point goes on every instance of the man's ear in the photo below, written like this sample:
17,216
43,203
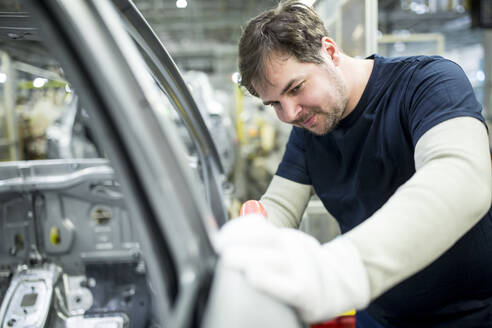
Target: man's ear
330,49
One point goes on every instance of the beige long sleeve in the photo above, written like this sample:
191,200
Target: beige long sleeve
285,201
448,194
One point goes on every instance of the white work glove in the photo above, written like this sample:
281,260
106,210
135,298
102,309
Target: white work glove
319,281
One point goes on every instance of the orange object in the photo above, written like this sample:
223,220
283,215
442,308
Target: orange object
252,207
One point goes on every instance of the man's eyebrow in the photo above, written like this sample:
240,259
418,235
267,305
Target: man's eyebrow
287,87
284,90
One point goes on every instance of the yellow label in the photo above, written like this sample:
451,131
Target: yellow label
55,236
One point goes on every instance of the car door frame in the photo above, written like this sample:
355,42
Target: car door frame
104,67
167,74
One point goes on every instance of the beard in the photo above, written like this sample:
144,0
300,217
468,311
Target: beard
327,122
327,118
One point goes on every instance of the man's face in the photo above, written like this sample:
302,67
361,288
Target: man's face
307,95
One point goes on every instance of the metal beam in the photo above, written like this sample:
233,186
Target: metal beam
438,38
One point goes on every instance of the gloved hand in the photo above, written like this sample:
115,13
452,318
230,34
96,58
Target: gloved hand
319,281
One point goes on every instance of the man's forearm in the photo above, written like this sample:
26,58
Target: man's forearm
285,201
448,194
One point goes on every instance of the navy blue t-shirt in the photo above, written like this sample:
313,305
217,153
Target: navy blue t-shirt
358,166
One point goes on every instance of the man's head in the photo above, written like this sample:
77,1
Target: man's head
291,28
286,59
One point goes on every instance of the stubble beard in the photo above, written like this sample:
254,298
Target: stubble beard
328,119
327,122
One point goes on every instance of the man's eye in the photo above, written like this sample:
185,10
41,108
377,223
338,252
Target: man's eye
296,89
275,105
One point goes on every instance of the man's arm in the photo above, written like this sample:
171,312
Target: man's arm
285,202
448,194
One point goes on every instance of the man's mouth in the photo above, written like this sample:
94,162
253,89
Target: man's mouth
309,122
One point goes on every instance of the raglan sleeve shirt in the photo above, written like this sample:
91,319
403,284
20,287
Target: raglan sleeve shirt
450,190
448,193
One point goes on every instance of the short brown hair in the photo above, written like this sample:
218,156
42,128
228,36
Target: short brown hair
292,28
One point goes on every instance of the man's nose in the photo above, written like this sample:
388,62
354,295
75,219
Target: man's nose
291,111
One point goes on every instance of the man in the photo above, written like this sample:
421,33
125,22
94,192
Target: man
398,152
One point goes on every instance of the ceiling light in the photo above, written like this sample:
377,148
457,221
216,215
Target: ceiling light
181,3
39,82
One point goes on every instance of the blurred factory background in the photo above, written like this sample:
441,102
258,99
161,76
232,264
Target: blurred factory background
201,36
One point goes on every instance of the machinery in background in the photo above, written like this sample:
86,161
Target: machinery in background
220,124
70,135
69,256
216,117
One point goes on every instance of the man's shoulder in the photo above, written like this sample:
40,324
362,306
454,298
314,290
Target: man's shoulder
420,62
406,59
407,73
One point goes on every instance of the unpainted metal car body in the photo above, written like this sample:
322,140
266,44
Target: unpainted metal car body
124,240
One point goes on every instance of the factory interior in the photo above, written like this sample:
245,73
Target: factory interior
127,141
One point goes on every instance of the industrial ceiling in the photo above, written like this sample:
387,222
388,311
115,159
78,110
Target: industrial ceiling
204,35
